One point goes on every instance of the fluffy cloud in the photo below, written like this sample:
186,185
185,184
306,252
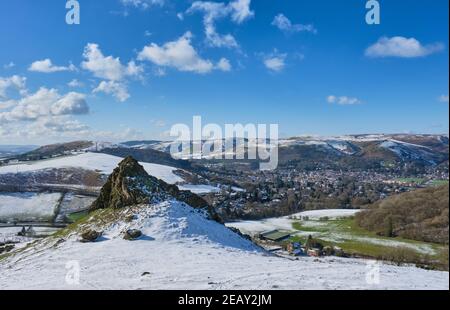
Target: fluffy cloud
117,90
46,66
343,100
60,129
44,103
75,83
43,130
16,82
275,62
70,104
238,11
224,65
110,69
284,24
181,55
107,67
401,47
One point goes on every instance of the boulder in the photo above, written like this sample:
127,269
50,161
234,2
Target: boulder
132,234
90,235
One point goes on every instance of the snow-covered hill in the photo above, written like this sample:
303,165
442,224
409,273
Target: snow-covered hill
182,249
102,163
429,149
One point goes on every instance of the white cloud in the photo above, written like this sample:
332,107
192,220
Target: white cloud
16,82
238,11
70,104
43,130
178,54
343,100
275,62
224,65
75,83
284,24
44,103
117,89
142,4
46,66
443,98
108,67
401,47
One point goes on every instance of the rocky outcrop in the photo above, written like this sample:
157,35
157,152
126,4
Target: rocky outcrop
130,185
132,234
122,187
90,236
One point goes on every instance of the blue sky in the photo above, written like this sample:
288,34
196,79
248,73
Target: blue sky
132,68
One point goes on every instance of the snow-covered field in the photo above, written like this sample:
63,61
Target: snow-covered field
285,222
199,189
325,229
181,249
28,206
10,234
329,213
92,161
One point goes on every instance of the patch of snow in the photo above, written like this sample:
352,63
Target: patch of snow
103,163
182,250
199,189
330,213
28,206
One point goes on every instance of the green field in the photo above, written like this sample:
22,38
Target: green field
439,182
75,217
356,241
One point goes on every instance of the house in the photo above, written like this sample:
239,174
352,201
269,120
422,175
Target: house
295,249
274,235
314,252
292,246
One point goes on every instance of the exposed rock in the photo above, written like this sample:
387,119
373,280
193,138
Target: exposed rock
6,248
130,184
124,187
237,231
132,234
90,235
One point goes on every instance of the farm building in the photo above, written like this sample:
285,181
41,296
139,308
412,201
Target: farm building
274,235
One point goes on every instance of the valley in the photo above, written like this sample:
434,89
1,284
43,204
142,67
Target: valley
313,202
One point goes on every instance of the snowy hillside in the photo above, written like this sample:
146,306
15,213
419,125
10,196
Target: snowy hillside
181,249
430,149
91,161
23,207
